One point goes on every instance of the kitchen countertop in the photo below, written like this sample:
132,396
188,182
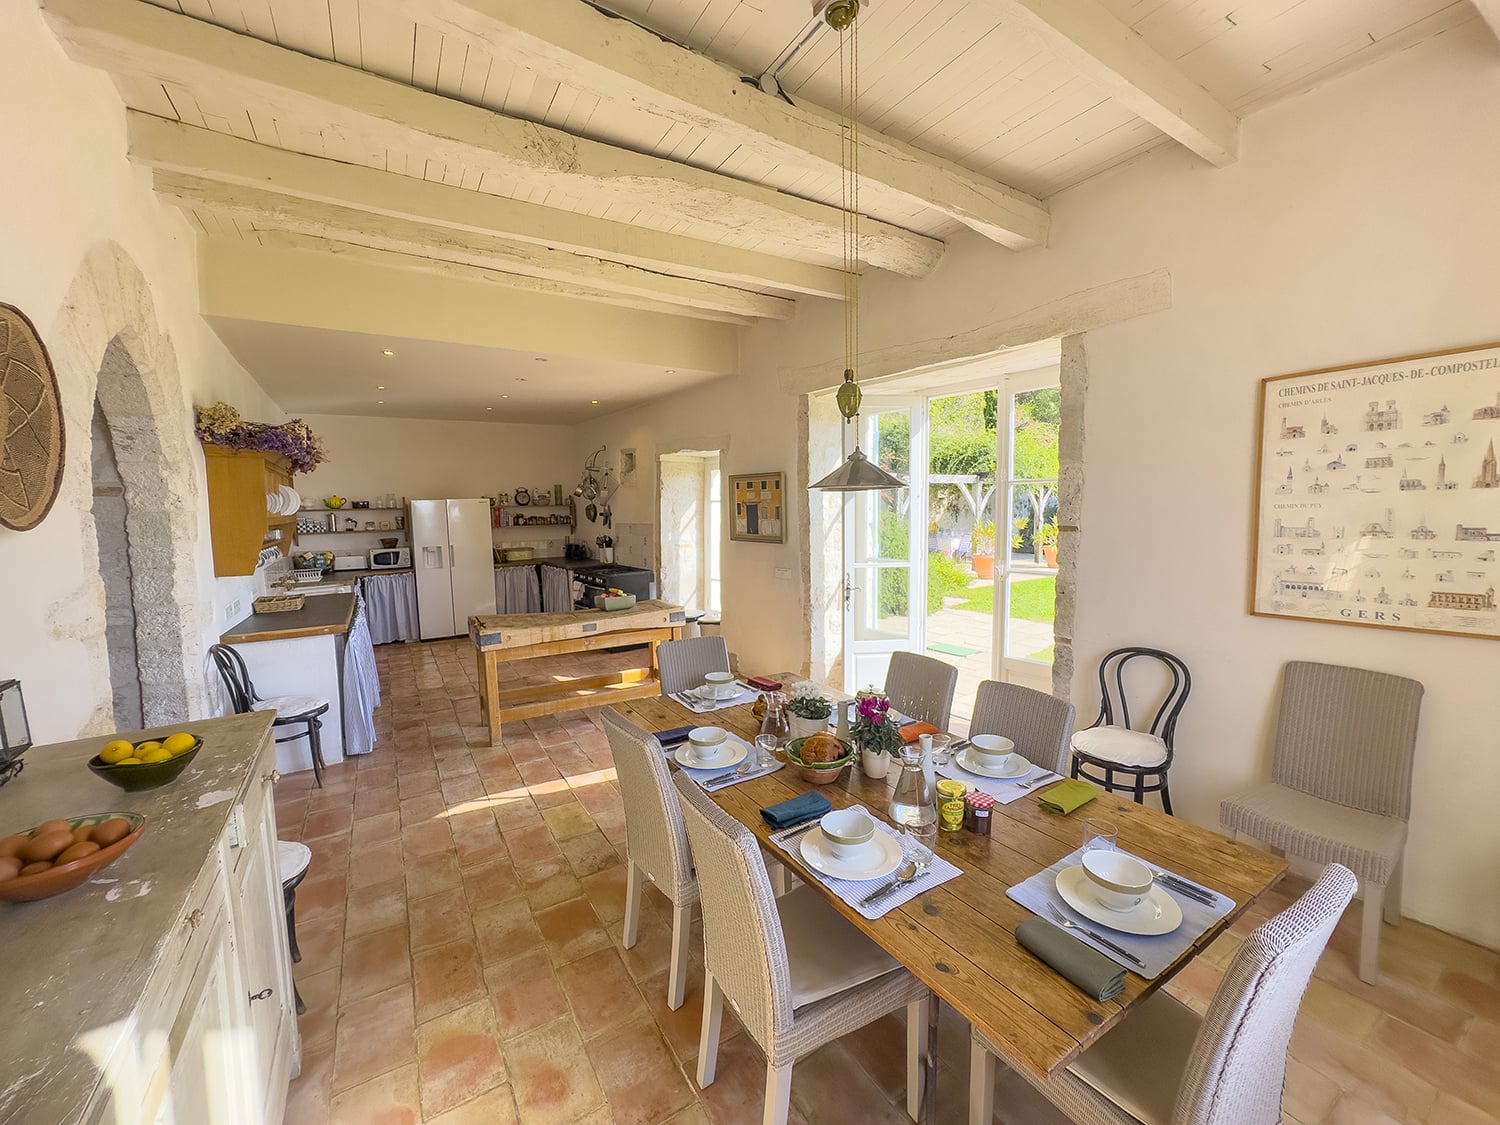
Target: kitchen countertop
566,564
78,963
319,616
339,576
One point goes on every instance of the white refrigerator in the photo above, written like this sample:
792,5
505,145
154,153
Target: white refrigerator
452,554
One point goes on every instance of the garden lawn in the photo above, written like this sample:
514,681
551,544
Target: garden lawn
1031,599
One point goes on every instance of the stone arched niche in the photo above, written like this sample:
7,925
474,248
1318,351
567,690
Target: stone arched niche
108,348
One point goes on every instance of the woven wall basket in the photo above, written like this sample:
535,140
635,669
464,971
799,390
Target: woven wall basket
31,424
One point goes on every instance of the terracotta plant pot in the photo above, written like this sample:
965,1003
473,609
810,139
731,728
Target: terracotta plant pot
873,763
1049,555
984,566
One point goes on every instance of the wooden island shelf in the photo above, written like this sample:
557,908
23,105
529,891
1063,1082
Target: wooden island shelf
503,638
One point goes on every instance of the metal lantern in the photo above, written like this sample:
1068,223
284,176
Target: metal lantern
15,731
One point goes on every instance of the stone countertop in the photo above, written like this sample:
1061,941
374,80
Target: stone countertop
77,964
566,564
321,615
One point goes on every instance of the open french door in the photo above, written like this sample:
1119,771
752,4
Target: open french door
885,535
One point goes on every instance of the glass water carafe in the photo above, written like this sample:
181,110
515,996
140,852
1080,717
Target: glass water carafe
776,722
914,804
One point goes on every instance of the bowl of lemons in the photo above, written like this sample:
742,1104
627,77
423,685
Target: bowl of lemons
134,766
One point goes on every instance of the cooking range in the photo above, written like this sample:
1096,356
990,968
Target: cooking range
595,580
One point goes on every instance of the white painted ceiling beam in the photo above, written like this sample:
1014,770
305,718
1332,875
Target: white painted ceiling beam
174,146
140,39
1489,11
1113,55
269,209
437,267
242,281
574,42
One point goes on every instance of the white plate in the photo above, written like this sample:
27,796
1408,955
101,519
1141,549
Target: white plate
290,501
879,858
706,694
273,503
1157,913
1018,766
736,755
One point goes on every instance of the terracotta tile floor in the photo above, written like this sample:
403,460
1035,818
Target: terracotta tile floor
461,960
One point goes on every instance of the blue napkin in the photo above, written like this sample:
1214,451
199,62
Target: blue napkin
672,737
795,810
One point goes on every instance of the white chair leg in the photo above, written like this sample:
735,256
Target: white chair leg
778,1094
635,880
708,1034
781,877
682,929
1369,934
981,1084
916,1030
1393,894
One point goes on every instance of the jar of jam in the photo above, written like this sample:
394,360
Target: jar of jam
978,812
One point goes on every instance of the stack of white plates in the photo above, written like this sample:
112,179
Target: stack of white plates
283,502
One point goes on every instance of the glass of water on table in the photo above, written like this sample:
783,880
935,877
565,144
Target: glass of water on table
765,750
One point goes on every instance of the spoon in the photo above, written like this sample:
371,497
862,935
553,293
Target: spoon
908,872
719,779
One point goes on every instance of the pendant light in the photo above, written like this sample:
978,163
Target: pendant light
858,473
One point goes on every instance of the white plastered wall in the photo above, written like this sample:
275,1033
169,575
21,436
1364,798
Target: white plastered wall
1359,223
85,239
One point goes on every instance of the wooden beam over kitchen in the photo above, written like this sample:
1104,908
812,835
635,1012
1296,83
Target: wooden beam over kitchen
574,42
1106,51
142,40
272,210
208,155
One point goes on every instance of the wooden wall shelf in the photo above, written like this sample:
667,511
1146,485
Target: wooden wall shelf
239,525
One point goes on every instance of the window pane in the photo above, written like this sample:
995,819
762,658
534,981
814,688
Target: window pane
1033,606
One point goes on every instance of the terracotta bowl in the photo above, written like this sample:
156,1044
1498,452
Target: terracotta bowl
45,884
818,773
149,775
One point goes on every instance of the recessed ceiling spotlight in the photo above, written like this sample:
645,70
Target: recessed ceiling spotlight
387,353
671,371
380,402
380,386
505,396
489,408
595,401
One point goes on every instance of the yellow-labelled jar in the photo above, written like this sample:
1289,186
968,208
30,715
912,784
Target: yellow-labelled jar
950,803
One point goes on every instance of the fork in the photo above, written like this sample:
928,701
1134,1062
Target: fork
1068,924
1045,779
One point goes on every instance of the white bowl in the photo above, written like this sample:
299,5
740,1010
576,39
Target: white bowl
847,831
992,751
709,744
1119,881
721,684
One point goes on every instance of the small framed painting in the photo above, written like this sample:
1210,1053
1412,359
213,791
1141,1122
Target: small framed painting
757,508
1379,494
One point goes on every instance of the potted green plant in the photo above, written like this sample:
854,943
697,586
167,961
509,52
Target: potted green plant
809,709
1046,539
982,540
875,733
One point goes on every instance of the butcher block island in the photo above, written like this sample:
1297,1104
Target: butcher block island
160,990
503,638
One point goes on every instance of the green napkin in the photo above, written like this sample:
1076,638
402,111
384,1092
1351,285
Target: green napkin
1089,969
1067,795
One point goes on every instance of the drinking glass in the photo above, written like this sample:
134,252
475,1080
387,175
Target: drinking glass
941,744
765,746
1099,833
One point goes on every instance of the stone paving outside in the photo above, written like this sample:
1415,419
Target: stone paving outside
967,629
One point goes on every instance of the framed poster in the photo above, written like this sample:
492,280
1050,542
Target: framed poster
757,508
1378,494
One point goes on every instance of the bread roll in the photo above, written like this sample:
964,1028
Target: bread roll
822,748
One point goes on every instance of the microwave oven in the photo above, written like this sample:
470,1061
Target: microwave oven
390,558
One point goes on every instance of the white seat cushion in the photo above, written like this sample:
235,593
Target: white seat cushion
1121,745
824,951
292,859
291,706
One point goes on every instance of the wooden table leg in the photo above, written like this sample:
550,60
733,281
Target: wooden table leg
489,688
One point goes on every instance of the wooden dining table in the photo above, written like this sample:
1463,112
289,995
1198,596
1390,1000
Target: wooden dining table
959,938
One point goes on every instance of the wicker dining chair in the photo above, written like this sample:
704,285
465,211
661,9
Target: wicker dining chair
1111,746
1340,788
921,687
795,971
1039,724
684,663
1166,1065
305,711
656,842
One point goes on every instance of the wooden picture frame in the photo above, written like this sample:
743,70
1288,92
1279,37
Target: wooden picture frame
1377,496
757,508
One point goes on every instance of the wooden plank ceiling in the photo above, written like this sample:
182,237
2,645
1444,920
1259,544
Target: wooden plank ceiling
632,161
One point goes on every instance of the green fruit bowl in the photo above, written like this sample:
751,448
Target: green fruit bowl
819,773
147,775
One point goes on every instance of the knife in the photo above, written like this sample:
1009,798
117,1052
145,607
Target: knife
802,827
882,893
1104,941
1189,890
